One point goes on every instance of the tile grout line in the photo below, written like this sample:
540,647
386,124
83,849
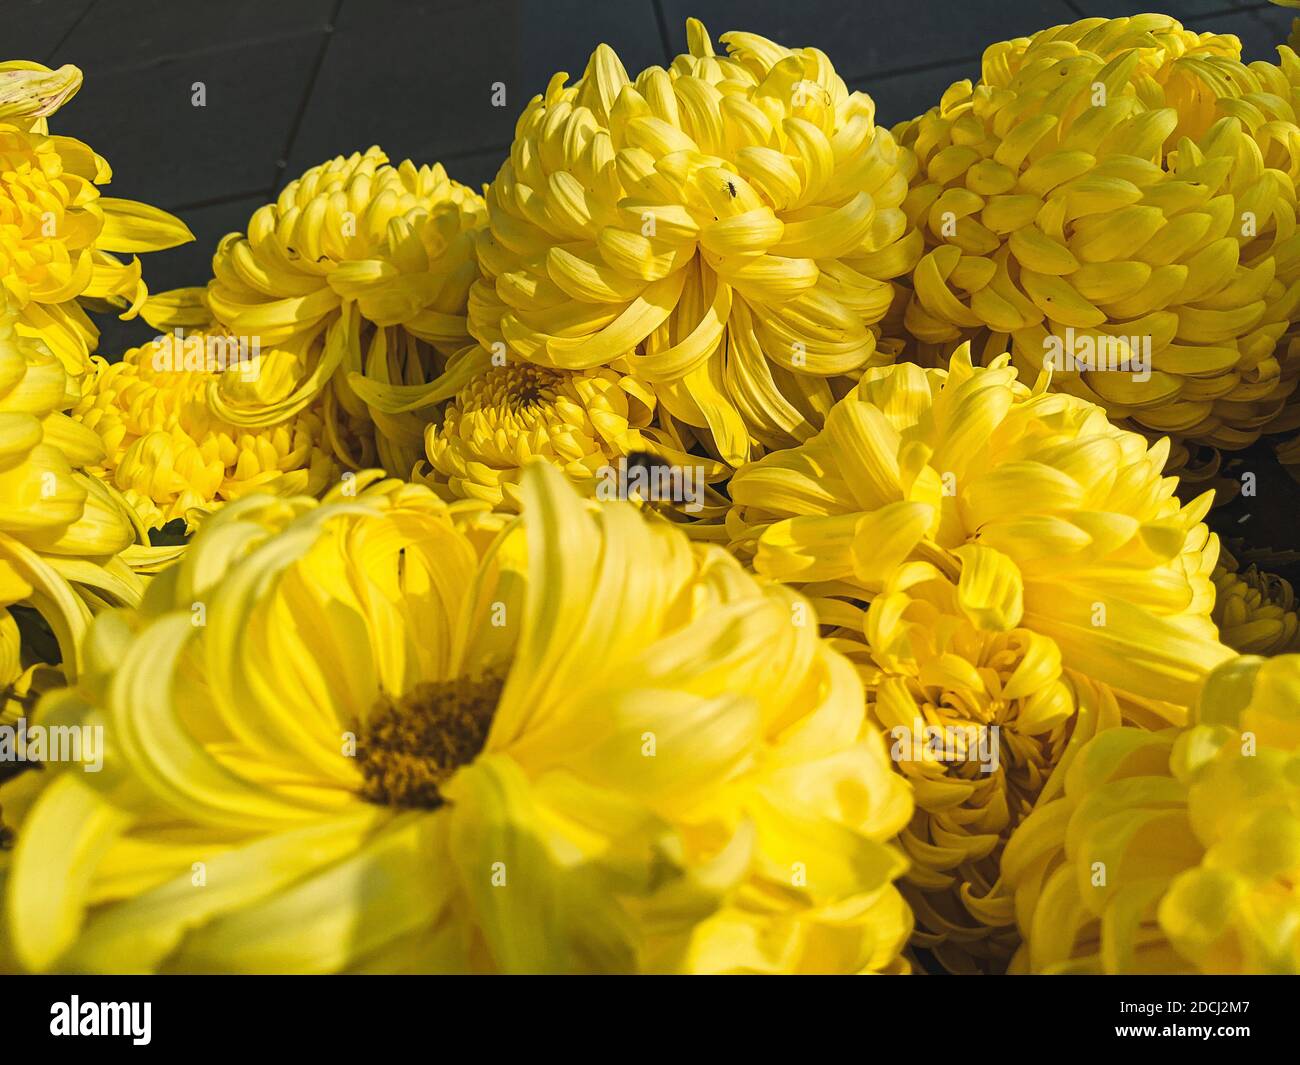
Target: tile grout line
217,201
69,32
922,68
468,153
282,163
162,59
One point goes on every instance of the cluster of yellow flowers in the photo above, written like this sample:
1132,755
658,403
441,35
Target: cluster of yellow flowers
68,541
742,539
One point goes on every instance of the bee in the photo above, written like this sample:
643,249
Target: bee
654,466
731,188
646,460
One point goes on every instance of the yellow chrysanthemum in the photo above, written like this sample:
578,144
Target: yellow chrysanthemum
988,554
359,268
171,456
998,484
1109,198
1174,852
596,426
56,230
1255,612
725,231
62,532
978,719
589,745
579,422
1271,113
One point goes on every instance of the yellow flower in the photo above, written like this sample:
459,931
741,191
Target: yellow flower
1255,612
29,92
48,506
358,269
725,231
1107,199
579,422
170,455
65,538
595,426
56,230
973,471
1174,852
587,745
978,722
988,555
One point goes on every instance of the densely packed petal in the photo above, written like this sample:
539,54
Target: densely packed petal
169,453
597,426
63,534
1173,852
1255,611
357,276
390,742
989,554
1117,197
725,231
57,232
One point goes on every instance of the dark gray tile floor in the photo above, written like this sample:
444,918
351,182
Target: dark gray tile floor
289,83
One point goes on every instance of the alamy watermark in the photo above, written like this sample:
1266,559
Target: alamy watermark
207,353
53,743
131,1019
947,743
1094,353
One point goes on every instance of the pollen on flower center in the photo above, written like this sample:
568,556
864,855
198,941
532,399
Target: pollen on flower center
578,421
413,743
517,387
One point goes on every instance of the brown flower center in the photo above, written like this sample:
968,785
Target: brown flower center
412,744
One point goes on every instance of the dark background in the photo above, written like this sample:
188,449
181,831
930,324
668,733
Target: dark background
291,83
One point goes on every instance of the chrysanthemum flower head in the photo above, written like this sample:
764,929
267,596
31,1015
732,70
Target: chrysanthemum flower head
580,421
598,427
1000,483
61,530
168,452
725,230
1174,852
57,232
1108,199
979,718
358,267
1255,611
989,554
49,505
585,745
1272,115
